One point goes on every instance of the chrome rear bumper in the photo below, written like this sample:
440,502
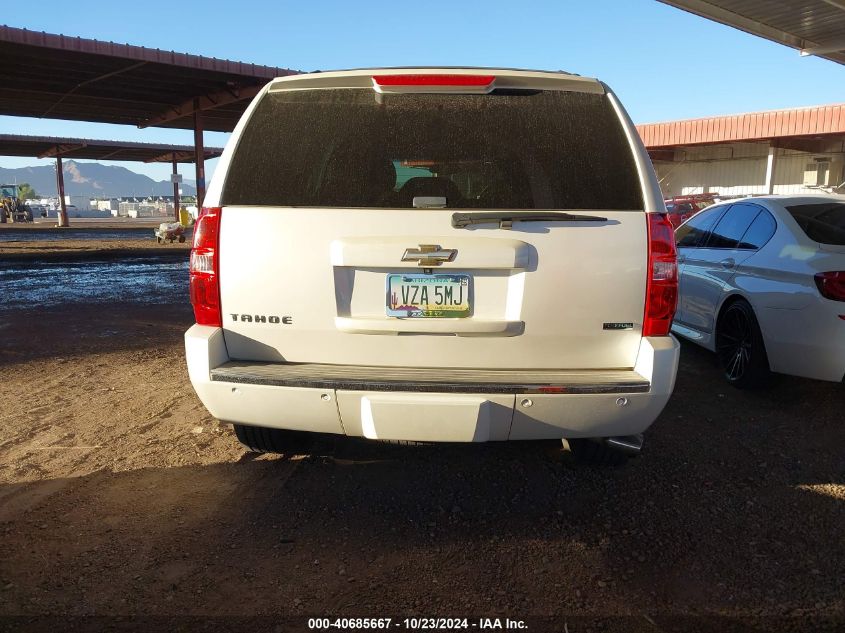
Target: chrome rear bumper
436,380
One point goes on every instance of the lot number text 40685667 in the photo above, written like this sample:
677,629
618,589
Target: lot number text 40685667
415,624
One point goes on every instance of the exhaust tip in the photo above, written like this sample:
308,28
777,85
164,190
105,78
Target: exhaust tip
628,444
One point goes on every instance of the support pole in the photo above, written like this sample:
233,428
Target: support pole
60,186
771,163
199,154
175,188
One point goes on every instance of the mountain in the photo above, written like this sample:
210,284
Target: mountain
92,179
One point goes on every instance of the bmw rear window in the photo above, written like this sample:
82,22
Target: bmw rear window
823,223
505,150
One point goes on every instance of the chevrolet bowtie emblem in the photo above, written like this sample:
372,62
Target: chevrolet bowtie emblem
429,255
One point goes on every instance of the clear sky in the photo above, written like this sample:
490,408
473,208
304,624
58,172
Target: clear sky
662,62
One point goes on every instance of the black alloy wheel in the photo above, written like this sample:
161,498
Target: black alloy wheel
739,346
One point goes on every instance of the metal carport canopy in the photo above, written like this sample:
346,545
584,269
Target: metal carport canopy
53,76
814,27
86,148
61,147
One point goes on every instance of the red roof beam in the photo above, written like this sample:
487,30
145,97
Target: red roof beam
61,150
206,102
180,157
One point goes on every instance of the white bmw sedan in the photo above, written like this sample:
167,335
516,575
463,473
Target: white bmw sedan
762,284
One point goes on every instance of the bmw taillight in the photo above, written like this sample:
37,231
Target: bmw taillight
662,282
205,268
831,285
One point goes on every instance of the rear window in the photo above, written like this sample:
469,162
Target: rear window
693,232
505,150
760,231
732,226
823,223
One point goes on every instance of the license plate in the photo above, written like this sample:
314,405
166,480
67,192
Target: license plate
428,296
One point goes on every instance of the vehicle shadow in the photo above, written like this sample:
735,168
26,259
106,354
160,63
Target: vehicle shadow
362,528
735,508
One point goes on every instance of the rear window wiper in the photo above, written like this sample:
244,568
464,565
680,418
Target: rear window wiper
505,219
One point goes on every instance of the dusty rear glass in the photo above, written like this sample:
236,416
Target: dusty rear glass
823,223
506,150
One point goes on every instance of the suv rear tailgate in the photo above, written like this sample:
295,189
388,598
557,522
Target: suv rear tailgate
310,286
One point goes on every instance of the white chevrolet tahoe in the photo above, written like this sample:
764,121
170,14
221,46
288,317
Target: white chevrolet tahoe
435,255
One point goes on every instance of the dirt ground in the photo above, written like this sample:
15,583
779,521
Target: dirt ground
121,496
40,223
85,239
79,250
86,249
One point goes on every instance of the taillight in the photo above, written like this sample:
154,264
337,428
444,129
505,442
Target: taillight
832,285
205,268
434,83
662,283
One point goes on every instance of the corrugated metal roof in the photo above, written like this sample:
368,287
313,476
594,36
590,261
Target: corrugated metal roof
814,27
753,126
139,53
48,146
54,76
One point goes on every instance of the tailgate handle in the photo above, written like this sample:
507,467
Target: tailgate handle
506,219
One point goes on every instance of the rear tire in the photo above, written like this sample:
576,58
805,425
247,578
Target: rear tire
740,347
595,453
259,439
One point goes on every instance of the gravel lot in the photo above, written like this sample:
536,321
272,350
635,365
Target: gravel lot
120,496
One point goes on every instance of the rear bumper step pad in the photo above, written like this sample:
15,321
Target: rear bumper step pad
355,378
